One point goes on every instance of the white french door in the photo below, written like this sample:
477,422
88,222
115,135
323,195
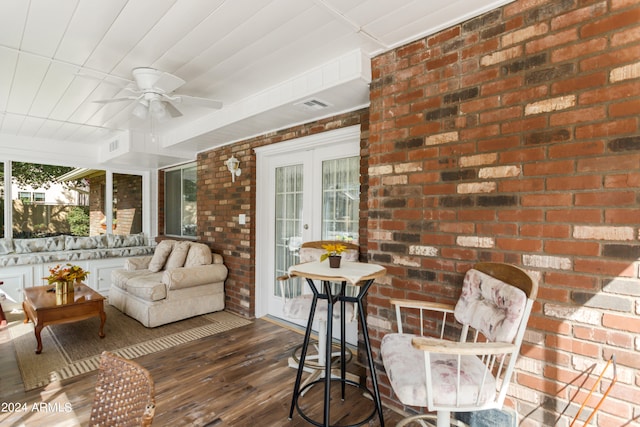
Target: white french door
308,189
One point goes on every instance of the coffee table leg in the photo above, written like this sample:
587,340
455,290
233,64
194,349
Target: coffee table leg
103,319
3,319
38,329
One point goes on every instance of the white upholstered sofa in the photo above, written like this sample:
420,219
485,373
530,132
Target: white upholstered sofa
181,279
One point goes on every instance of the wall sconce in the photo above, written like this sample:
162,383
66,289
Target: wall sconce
233,165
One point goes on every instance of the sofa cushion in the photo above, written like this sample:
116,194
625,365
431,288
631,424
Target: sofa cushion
121,277
147,286
45,244
85,242
178,255
199,254
161,254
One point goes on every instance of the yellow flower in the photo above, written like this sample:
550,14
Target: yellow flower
332,249
69,273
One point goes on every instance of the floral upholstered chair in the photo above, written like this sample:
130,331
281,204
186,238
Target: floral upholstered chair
474,372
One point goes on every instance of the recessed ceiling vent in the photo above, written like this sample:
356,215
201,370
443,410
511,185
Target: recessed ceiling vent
313,104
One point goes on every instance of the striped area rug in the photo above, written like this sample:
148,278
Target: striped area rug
74,348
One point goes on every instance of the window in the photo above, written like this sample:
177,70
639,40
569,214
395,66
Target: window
180,201
24,196
49,200
42,204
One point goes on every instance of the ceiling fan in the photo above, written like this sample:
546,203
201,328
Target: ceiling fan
155,97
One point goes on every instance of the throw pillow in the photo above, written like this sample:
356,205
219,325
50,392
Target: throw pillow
160,256
6,246
90,242
44,244
199,254
178,255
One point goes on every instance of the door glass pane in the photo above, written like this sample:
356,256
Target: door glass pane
288,222
340,199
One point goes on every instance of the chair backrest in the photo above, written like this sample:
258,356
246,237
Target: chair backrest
124,393
311,251
494,300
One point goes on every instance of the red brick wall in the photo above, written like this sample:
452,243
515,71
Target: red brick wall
220,201
128,195
128,206
515,137
97,193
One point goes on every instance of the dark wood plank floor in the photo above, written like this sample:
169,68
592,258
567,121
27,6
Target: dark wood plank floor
237,378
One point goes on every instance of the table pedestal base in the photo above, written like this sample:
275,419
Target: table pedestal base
298,390
355,394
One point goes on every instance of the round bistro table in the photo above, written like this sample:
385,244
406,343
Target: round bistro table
357,274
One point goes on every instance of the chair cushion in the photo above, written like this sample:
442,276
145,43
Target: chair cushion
161,255
299,307
491,306
405,367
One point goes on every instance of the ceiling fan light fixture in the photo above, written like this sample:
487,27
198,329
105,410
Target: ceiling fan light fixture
157,109
140,110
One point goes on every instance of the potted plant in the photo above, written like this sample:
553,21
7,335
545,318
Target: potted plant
65,276
334,253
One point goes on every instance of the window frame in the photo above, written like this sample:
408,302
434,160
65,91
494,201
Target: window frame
167,209
149,215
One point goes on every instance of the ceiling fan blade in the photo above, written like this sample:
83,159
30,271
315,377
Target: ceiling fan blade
194,100
126,84
108,101
152,80
172,110
168,82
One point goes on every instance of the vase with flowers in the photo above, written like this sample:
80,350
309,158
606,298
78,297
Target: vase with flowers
334,253
65,276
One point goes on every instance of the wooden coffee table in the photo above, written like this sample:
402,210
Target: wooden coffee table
41,307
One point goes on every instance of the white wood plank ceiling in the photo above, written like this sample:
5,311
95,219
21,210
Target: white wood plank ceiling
259,57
